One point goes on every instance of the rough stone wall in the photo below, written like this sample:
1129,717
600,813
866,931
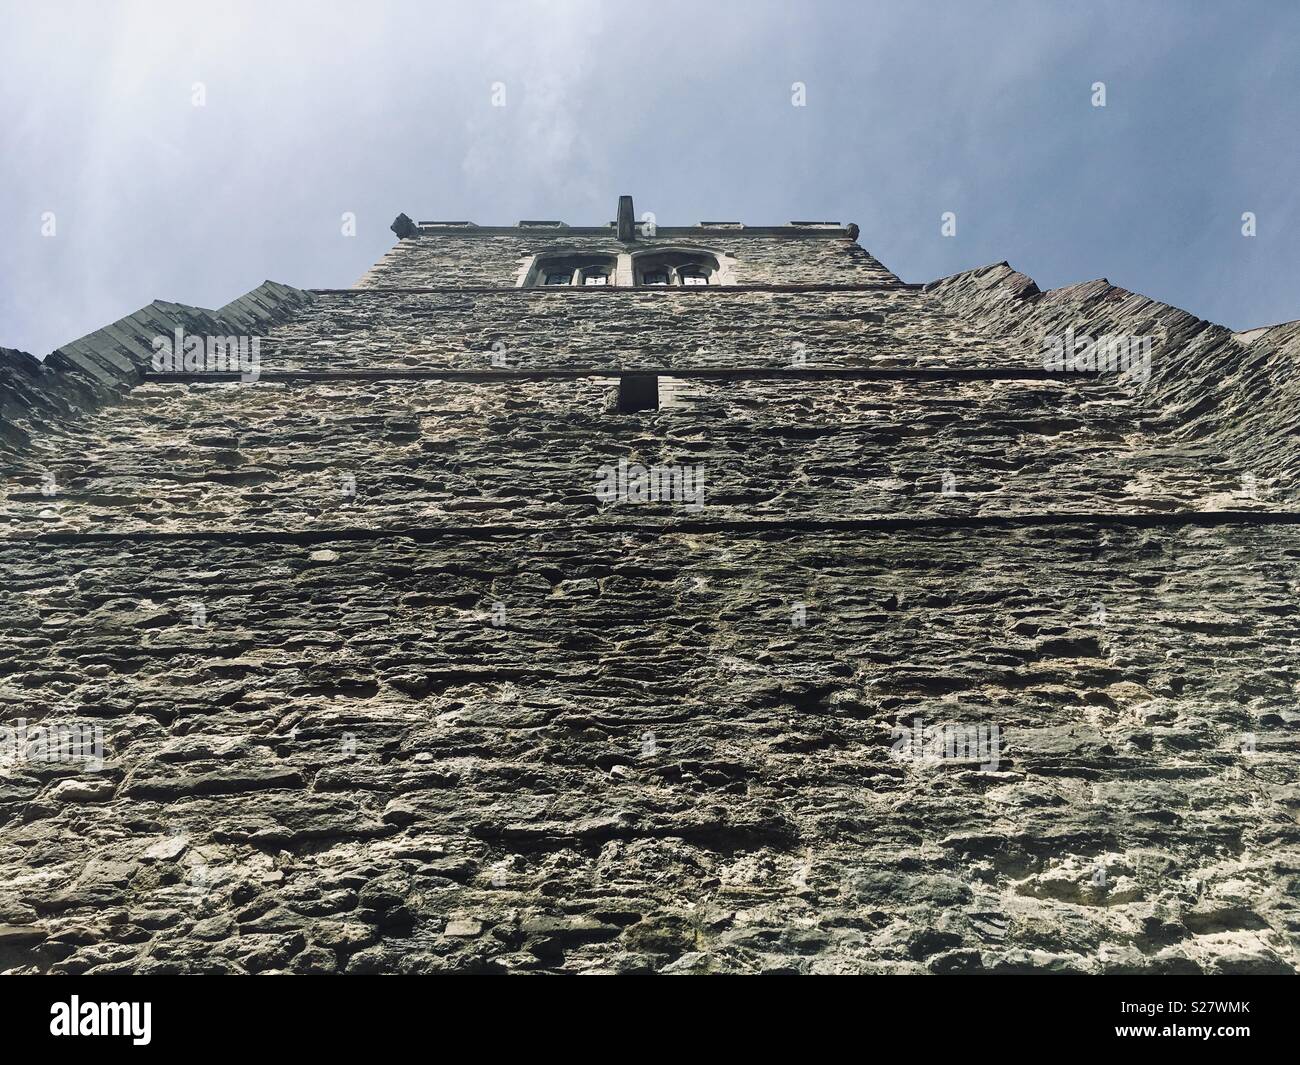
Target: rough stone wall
427,453
470,718
460,259
1207,385
105,365
536,328
645,767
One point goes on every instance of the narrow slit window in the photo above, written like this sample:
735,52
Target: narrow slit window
638,391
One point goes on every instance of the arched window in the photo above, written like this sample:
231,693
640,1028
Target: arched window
683,267
573,269
566,266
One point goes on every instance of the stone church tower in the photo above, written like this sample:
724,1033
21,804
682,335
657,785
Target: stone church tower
629,598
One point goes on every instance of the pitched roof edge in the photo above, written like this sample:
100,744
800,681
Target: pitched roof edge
99,368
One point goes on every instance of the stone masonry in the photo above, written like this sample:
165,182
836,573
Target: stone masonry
386,684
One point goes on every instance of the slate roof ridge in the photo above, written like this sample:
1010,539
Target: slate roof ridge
1204,383
102,366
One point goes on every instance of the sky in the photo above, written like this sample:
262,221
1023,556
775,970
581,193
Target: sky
189,151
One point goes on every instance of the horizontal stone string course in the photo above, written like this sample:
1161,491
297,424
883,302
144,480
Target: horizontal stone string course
770,528
588,290
729,373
